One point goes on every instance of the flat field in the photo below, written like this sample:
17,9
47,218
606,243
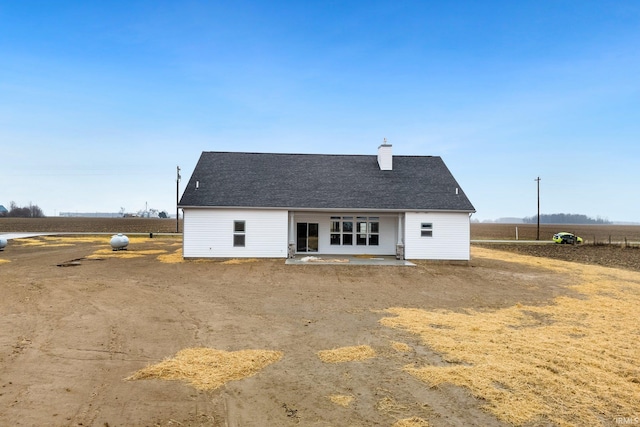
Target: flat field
590,233
140,337
88,225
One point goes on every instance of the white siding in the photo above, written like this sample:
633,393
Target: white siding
209,233
450,240
388,234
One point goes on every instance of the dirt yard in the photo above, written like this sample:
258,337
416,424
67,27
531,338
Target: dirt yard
77,320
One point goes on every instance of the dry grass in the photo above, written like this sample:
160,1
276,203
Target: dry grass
34,242
390,406
347,354
4,260
54,241
411,422
136,240
106,251
61,241
207,368
573,362
110,253
240,261
341,399
400,346
172,258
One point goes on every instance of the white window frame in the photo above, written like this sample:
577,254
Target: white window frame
426,229
354,233
239,235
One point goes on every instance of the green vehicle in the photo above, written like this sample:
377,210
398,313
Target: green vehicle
566,238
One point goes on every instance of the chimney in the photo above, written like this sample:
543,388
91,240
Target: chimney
385,158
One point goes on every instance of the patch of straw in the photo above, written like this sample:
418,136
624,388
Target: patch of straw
388,405
341,399
400,346
4,260
109,253
138,239
573,362
239,261
208,368
411,422
347,354
58,241
76,239
172,258
42,241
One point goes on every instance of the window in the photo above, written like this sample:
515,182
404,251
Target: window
367,231
361,235
374,230
335,230
238,233
347,231
426,229
341,231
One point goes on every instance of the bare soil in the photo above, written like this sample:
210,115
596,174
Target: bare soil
607,245
70,335
73,328
614,255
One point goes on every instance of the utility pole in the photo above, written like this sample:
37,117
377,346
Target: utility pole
177,199
538,234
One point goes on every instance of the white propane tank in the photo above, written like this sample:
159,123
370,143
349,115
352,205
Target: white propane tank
119,242
3,243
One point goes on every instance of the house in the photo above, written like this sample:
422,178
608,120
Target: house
281,205
3,210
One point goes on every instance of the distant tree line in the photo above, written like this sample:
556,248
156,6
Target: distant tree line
31,211
562,218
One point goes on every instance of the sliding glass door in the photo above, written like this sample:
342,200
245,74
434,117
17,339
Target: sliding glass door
307,237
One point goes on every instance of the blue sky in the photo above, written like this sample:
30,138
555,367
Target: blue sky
100,101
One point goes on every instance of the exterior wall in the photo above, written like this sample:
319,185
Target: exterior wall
450,240
208,233
388,234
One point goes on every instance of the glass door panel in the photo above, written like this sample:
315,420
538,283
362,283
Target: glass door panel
307,237
301,240
312,238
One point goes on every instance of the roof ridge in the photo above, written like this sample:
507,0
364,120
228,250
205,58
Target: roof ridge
314,154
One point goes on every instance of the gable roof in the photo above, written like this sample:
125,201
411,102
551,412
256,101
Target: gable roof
318,181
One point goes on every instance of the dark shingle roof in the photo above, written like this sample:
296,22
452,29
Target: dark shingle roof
316,181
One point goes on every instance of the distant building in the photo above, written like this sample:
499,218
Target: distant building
3,210
147,214
92,214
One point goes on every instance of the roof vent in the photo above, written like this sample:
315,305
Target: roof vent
385,157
